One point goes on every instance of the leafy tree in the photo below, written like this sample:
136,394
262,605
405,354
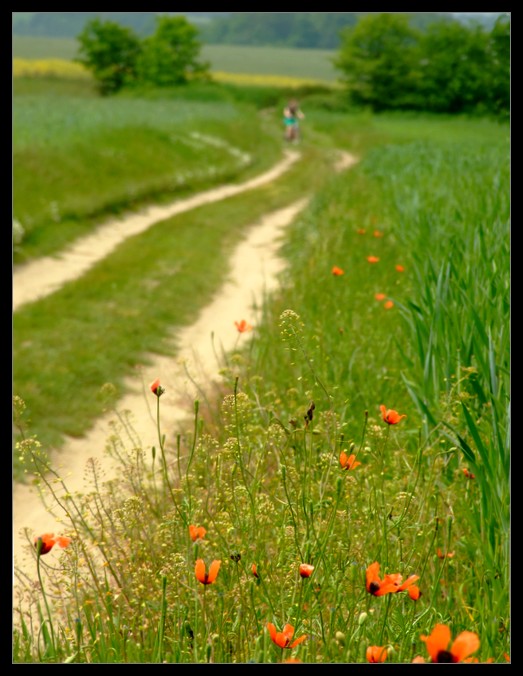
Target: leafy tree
499,66
110,51
170,56
454,68
378,60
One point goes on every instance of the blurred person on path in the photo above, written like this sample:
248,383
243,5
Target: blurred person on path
291,116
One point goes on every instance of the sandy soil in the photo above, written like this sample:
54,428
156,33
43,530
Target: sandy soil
254,269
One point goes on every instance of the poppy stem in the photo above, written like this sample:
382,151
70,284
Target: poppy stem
161,442
39,546
380,642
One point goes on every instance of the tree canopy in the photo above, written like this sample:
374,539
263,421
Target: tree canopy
117,57
387,64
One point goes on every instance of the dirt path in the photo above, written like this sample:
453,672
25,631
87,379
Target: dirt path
52,272
254,268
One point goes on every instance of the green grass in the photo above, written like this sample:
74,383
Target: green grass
260,469
313,64
82,159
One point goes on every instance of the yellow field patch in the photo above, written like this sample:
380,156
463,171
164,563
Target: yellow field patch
49,68
263,80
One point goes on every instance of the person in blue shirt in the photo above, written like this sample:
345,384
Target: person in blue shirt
291,116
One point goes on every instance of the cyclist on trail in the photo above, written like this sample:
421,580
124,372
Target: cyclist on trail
291,115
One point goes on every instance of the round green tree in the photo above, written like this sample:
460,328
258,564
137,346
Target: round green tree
110,52
170,57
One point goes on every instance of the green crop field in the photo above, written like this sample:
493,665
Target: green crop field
344,495
311,64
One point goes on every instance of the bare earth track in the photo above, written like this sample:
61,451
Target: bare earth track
254,268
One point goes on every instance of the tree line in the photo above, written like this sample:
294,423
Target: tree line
384,62
387,64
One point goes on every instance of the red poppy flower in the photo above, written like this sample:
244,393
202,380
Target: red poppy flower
468,474
377,586
243,326
254,570
377,233
388,304
336,271
283,638
437,644
348,461
204,577
373,259
306,569
361,231
376,654
400,268
156,388
48,541
390,416
379,296
197,532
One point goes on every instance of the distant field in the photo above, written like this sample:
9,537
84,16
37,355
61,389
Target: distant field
310,64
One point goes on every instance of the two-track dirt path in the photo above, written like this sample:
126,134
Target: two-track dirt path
254,271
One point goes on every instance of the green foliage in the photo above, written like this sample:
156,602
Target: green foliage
449,67
117,57
110,52
170,56
376,60
453,68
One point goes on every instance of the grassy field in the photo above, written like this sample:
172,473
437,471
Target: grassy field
309,64
397,294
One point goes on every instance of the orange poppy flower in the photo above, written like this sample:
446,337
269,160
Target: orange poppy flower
408,582
361,231
373,259
348,461
437,644
254,570
283,638
197,532
377,586
292,660
243,326
388,304
441,555
377,233
379,296
336,271
390,416
48,541
400,268
204,577
468,474
306,569
156,388
376,654
414,592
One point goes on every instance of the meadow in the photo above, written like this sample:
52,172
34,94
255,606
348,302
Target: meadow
346,496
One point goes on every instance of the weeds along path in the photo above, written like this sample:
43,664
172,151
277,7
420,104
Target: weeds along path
39,278
190,375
